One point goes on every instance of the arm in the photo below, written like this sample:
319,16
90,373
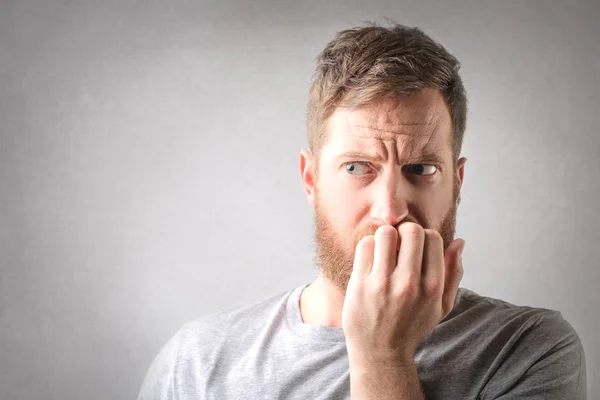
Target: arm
402,285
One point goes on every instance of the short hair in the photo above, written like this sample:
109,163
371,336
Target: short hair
363,65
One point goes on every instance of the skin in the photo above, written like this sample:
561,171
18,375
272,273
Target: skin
385,222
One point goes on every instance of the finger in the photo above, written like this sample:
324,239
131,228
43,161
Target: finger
410,256
432,268
454,274
384,257
363,258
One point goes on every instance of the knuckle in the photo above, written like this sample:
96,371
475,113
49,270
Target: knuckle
433,288
459,273
358,285
380,286
407,287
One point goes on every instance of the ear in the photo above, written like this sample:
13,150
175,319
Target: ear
307,175
460,168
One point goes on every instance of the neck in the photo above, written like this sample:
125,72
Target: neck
321,304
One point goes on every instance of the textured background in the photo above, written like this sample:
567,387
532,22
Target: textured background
149,169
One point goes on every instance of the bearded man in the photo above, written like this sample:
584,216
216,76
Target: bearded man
386,318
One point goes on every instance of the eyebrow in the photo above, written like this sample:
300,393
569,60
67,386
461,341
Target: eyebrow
418,159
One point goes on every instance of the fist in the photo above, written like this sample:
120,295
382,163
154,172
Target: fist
402,285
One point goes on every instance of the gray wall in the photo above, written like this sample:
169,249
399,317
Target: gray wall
149,169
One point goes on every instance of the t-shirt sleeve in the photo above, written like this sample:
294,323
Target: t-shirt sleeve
158,383
547,362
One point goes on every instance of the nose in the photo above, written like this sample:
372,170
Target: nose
389,206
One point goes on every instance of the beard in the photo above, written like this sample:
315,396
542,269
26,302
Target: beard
335,254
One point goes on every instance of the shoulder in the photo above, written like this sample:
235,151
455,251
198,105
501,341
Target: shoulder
207,333
532,347
540,328
481,310
246,315
198,343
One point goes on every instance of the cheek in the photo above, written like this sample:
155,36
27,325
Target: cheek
432,208
346,209
345,202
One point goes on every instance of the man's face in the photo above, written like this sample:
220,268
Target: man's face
375,170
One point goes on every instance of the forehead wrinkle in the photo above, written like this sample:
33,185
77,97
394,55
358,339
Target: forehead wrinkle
411,145
417,135
401,129
389,134
387,123
404,115
394,133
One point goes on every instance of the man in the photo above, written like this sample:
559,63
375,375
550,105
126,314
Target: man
385,319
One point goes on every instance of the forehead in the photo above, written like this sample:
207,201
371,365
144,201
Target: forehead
419,122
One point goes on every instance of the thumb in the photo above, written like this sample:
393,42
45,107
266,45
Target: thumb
453,274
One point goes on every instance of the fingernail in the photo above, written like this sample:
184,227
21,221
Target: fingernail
462,249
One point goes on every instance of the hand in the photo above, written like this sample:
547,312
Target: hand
395,298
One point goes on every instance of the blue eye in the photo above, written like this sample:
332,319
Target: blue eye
354,166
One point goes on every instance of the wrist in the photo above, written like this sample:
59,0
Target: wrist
364,367
371,360
384,380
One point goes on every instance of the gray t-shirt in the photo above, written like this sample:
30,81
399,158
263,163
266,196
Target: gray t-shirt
484,349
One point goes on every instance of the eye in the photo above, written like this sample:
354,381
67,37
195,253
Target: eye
421,169
355,167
